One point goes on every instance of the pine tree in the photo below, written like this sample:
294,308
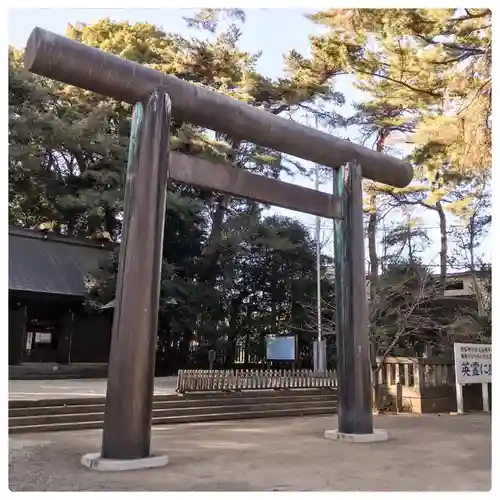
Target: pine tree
428,75
212,271
221,66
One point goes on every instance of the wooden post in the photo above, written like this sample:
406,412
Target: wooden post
17,334
129,401
211,358
486,398
460,397
64,341
406,371
355,394
419,376
75,63
399,390
388,374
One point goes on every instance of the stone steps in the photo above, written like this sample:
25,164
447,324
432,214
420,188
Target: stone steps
66,409
88,413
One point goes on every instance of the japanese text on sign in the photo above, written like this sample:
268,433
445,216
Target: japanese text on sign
473,363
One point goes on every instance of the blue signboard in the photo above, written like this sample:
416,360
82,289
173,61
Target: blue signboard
280,348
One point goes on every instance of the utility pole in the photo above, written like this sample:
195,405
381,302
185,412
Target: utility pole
318,259
320,351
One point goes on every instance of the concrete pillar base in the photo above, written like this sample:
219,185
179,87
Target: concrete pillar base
376,436
94,461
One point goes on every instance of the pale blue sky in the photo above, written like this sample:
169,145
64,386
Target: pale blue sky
274,31
261,31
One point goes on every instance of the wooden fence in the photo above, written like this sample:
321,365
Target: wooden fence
234,380
423,385
417,372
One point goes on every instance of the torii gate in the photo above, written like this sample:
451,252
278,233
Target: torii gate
127,423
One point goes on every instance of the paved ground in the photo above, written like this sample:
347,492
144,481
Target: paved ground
38,389
425,453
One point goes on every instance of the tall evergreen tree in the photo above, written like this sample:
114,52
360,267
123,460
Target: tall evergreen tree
427,73
67,174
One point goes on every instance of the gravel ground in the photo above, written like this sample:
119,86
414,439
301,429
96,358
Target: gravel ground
424,453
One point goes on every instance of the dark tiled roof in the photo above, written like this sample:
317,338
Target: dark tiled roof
50,263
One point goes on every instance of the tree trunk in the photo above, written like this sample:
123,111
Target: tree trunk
374,264
479,298
246,349
374,372
472,262
212,249
233,320
183,349
110,223
372,224
233,330
443,253
372,253
372,247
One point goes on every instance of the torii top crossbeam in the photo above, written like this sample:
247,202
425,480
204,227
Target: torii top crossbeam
74,63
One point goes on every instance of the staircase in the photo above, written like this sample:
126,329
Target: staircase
88,413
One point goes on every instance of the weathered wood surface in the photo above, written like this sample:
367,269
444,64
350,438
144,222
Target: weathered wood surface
417,372
129,401
353,345
227,179
75,63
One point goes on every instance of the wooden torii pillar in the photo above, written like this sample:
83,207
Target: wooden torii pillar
127,424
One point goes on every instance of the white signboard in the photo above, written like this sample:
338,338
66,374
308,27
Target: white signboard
29,341
473,365
43,338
